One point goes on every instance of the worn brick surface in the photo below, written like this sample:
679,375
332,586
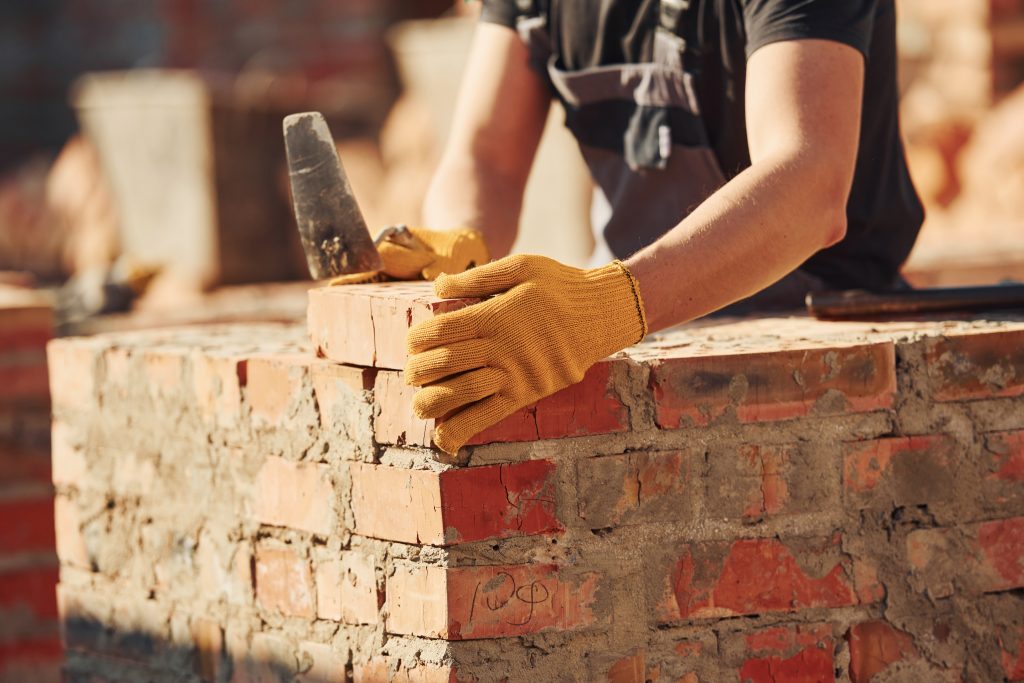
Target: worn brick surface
283,581
976,365
781,385
720,579
638,487
900,471
802,653
296,495
874,646
458,505
982,557
347,589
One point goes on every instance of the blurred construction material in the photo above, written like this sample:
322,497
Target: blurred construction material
960,63
195,168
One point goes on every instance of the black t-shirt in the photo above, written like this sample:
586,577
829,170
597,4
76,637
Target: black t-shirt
884,213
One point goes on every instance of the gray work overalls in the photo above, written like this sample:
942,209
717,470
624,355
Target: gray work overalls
641,133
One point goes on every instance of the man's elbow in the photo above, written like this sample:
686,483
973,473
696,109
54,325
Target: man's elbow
833,194
834,226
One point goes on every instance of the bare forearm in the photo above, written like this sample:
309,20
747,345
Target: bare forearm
752,232
498,122
463,193
803,118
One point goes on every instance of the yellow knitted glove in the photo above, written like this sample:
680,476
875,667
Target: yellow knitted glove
428,254
547,325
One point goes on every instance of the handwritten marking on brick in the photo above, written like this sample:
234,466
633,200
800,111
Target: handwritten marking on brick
464,603
782,385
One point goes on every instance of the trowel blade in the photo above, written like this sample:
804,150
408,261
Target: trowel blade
331,226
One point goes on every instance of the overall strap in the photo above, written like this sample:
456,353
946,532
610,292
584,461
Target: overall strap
669,45
532,27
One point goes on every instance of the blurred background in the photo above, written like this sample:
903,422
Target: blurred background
142,166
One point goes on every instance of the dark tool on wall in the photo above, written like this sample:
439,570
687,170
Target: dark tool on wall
334,235
855,304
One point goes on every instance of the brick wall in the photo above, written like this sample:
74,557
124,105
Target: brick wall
29,644
760,501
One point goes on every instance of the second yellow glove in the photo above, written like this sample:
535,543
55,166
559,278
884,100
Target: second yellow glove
547,325
422,254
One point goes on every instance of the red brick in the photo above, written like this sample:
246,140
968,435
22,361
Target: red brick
337,388
632,669
637,487
283,582
36,660
217,382
487,601
986,557
29,593
780,385
976,365
367,324
326,664
28,523
24,379
297,495
164,370
455,506
274,384
26,320
723,579
874,646
1007,450
801,654
1011,644
347,589
378,670
586,408
899,471
20,465
208,638
752,481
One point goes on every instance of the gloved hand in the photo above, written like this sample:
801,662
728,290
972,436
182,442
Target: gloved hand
547,325
422,254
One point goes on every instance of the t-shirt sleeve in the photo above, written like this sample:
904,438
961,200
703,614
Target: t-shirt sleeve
502,12
844,21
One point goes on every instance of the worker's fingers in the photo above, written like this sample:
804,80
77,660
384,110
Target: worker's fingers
438,400
443,329
453,433
491,278
444,361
